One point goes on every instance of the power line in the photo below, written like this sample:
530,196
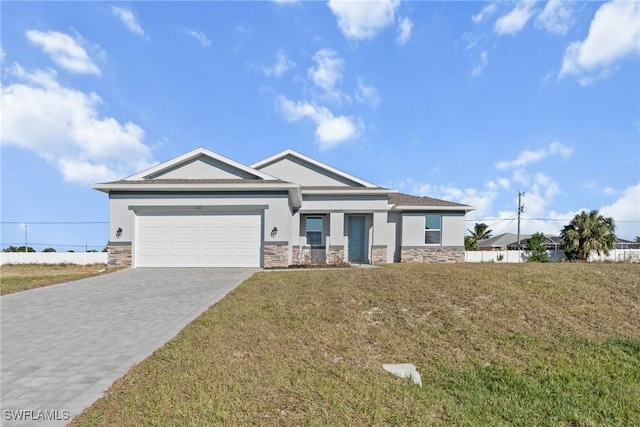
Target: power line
505,227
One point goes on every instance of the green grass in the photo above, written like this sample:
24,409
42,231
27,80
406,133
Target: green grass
553,344
20,277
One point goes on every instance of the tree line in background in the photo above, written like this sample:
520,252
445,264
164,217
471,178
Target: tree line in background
586,232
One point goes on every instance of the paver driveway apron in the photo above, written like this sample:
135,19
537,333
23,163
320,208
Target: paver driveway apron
64,345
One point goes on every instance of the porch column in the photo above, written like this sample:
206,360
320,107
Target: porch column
295,255
380,237
336,250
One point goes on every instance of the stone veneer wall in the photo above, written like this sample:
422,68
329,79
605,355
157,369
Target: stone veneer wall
378,254
276,254
431,254
335,255
296,254
119,254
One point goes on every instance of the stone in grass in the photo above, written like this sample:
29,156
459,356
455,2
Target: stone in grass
404,370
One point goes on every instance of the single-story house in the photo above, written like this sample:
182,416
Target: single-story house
203,209
509,241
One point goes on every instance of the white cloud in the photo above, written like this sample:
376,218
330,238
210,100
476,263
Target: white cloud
486,11
614,34
593,78
281,66
496,203
367,94
361,20
514,21
286,2
527,156
64,51
64,127
404,31
199,36
556,16
331,130
327,72
480,64
472,40
520,176
481,200
626,212
2,54
128,19
539,195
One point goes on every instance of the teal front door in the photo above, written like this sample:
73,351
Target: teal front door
355,232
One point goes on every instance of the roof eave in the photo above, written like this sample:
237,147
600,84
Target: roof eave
462,208
194,187
354,191
293,190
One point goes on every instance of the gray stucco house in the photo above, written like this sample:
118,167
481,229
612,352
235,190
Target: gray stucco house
203,209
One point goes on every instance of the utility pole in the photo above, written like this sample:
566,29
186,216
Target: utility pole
25,238
520,210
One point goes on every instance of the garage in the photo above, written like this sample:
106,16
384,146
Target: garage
206,240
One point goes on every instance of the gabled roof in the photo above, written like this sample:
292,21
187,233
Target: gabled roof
503,240
282,155
511,240
151,179
401,201
193,154
193,172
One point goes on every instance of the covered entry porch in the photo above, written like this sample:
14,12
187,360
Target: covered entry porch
337,237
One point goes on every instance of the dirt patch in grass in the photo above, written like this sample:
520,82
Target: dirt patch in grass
554,344
20,277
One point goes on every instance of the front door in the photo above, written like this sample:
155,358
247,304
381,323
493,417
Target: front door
355,231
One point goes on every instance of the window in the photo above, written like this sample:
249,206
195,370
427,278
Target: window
432,229
314,230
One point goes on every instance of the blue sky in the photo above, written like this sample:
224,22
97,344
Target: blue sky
466,101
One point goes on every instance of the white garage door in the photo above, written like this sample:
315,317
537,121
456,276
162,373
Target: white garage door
211,240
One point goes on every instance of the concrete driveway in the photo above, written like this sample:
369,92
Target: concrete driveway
62,346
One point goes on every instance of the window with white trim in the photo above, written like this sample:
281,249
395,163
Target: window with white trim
314,230
432,229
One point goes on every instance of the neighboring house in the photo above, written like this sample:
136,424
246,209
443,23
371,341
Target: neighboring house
626,244
509,241
203,209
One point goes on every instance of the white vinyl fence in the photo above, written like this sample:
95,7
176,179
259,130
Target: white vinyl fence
80,258
615,255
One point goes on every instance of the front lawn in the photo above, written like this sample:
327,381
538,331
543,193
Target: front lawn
528,344
20,277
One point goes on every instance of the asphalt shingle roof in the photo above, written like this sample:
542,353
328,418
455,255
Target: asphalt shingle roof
401,199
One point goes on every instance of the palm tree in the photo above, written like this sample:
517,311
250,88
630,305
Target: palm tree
470,244
480,231
588,232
